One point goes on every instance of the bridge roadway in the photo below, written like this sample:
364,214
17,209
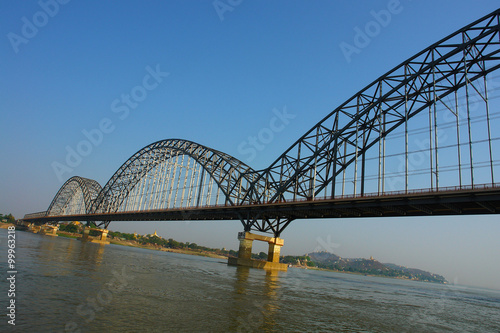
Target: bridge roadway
448,201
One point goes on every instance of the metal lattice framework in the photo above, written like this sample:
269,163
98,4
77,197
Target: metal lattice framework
437,83
426,125
76,196
172,174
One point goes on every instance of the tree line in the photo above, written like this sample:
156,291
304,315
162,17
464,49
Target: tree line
8,218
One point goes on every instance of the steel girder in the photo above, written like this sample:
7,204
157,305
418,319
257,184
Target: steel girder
90,190
231,175
314,161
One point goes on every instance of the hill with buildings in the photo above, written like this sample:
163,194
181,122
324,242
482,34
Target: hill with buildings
330,261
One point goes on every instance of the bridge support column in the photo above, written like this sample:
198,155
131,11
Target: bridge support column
101,238
245,252
273,255
104,236
85,235
49,230
34,228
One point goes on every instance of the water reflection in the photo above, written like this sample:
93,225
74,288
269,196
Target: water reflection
273,292
59,257
91,253
241,281
256,299
272,283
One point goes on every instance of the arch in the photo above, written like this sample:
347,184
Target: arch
232,176
311,166
88,188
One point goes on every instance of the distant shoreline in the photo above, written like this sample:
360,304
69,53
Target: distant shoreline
362,274
149,247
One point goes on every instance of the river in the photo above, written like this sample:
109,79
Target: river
64,285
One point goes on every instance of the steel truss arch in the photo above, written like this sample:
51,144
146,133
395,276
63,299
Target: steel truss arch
232,176
312,165
88,188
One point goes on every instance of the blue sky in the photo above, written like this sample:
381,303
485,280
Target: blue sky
222,72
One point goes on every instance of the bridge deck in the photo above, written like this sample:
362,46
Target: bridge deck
484,200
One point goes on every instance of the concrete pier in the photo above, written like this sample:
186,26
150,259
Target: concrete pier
273,254
245,252
34,228
101,239
49,230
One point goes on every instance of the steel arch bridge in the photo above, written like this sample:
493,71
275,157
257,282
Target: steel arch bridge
421,139
76,196
175,174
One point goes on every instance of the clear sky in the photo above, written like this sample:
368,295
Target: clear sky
221,68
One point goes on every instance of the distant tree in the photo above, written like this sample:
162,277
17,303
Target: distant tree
94,233
68,228
260,256
154,240
288,259
173,244
128,236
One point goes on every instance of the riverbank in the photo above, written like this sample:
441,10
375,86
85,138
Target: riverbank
164,249
132,243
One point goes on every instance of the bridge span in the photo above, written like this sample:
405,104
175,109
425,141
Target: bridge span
420,140
448,201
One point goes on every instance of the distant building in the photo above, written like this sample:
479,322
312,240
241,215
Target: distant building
153,235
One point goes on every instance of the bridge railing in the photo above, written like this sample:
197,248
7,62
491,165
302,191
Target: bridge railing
440,190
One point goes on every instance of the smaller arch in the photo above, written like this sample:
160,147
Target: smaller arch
231,176
88,188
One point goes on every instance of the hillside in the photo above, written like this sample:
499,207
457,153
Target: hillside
415,272
370,266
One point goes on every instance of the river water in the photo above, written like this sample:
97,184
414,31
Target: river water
64,285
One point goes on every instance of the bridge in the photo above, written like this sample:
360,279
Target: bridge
420,140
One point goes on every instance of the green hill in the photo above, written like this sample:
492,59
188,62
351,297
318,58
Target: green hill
370,266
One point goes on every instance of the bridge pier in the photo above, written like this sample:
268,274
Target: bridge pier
49,230
101,239
34,228
245,252
273,254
